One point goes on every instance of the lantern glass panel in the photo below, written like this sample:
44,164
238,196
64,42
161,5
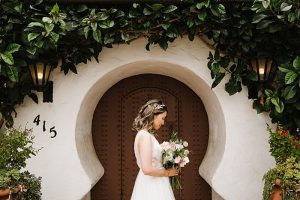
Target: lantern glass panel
40,74
48,68
33,74
261,68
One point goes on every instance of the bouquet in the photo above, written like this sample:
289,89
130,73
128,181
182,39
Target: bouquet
175,154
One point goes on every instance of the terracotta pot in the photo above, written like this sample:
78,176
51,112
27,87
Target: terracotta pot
276,193
297,187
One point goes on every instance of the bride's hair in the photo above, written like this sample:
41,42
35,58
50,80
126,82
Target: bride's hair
145,116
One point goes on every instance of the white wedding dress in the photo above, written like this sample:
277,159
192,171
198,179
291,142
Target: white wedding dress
151,187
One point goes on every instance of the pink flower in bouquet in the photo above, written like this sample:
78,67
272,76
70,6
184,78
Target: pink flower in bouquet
186,152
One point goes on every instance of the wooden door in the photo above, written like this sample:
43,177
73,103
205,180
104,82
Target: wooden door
113,138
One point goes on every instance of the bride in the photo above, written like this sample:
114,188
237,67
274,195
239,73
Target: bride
152,181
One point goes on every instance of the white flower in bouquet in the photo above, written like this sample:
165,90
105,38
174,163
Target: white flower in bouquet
185,144
179,146
178,160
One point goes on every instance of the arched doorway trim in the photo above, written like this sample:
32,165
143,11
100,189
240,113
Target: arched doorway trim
217,134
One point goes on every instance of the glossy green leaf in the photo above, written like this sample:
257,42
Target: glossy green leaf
48,28
219,77
35,24
47,20
102,16
203,4
215,68
296,63
163,44
257,18
265,3
190,22
86,31
18,7
107,24
284,68
55,9
291,17
165,25
157,6
11,48
31,50
94,26
54,36
279,106
289,92
233,86
108,39
202,15
12,73
290,77
7,58
255,6
169,9
97,35
39,44
171,34
221,9
147,11
269,92
135,5
285,7
32,36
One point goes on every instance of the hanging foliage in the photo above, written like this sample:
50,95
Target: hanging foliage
37,30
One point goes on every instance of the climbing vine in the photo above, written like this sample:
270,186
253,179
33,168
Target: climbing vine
39,30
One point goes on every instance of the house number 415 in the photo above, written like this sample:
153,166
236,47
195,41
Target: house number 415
52,130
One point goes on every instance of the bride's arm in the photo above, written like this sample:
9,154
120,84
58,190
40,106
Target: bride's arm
145,151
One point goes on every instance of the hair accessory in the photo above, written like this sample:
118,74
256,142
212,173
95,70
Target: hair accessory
158,107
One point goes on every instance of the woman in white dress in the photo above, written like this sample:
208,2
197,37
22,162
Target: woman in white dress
152,182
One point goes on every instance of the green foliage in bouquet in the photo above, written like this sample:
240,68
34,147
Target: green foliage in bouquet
16,146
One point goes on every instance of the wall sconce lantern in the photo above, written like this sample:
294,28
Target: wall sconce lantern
262,67
40,73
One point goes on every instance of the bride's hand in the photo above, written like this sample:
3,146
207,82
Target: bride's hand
173,171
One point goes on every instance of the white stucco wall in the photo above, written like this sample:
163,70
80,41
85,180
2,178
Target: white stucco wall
237,154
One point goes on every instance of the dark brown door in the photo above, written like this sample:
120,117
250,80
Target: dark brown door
113,138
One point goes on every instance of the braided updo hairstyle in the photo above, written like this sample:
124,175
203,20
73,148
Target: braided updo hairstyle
145,116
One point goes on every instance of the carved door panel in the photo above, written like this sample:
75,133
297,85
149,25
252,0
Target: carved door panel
113,138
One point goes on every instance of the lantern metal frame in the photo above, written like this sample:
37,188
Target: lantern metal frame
40,73
263,67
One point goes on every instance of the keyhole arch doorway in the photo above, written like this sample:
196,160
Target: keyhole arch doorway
113,137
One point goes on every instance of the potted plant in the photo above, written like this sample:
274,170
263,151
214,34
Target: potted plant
16,146
284,178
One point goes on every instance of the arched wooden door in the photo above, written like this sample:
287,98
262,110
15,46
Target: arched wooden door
113,138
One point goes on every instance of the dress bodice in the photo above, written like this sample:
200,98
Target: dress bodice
156,149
